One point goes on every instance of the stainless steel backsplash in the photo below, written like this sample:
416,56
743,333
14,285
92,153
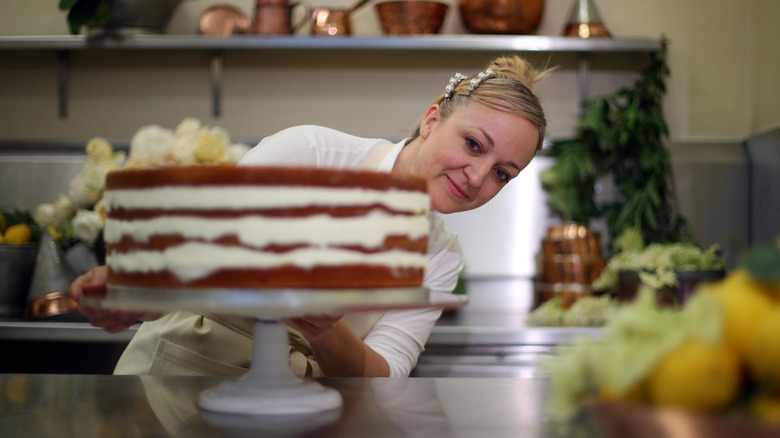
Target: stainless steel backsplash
730,193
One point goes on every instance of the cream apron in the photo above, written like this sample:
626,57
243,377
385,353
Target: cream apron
185,343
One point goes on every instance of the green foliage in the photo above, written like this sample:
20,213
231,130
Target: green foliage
621,136
763,261
85,12
588,311
12,215
636,337
657,263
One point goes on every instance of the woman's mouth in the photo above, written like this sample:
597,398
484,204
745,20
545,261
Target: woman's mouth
456,190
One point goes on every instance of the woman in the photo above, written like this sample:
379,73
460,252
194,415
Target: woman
468,145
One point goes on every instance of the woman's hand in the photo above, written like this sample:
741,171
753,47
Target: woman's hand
338,351
314,327
93,285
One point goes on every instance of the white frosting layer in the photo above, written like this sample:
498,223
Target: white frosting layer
369,231
194,260
321,233
242,197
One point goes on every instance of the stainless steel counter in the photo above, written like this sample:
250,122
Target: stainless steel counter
54,406
486,338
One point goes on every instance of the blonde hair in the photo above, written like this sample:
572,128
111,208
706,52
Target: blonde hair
510,90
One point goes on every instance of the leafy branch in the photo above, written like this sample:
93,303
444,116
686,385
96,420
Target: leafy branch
85,12
621,136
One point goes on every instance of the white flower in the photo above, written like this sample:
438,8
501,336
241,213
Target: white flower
189,127
79,193
44,215
236,152
100,208
152,145
64,208
99,148
87,225
211,146
184,150
94,176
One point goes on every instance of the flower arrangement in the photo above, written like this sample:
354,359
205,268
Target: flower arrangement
657,264
712,365
78,216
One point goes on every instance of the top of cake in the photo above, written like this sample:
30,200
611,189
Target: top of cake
255,175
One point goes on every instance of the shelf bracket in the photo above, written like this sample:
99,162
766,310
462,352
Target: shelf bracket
216,68
583,72
63,76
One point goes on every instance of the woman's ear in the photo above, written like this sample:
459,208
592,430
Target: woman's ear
429,119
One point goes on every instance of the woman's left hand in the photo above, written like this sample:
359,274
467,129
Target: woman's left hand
315,326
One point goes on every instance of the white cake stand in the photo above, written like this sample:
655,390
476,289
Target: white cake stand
269,388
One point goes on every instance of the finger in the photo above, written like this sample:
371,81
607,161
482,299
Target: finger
94,290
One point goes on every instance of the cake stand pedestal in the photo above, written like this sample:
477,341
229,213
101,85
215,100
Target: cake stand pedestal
269,388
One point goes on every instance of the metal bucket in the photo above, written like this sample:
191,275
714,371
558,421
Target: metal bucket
130,17
17,263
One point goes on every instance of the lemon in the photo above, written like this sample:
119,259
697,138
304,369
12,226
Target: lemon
763,359
746,303
17,388
17,234
636,394
766,407
696,376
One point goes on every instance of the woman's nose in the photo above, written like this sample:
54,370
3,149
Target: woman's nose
476,173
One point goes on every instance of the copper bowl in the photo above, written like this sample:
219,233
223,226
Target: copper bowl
571,268
55,303
501,16
567,293
411,17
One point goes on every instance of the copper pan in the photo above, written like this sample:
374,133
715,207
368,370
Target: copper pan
52,304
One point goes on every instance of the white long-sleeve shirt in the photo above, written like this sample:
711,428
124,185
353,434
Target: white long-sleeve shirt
399,336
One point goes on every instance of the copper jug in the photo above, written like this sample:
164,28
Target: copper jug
330,22
334,21
274,17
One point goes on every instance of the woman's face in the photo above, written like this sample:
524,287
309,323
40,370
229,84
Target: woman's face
471,155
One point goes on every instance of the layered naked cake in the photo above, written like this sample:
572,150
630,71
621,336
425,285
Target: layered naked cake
265,227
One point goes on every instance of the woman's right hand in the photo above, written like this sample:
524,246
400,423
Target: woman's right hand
93,285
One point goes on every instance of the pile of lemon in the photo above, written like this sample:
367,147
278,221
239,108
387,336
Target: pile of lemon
739,373
16,234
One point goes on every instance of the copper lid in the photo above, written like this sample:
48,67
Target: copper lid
223,20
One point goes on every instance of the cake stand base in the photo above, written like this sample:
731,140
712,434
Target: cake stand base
270,388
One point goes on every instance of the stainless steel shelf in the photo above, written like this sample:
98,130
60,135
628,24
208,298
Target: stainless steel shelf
509,336
63,45
11,330
530,43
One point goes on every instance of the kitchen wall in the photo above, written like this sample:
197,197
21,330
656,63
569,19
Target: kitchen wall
722,57
723,90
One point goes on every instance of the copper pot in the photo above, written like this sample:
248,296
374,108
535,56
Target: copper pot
411,17
331,22
571,268
276,18
501,16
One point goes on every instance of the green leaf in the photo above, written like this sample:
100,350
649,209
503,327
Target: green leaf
84,12
67,4
762,261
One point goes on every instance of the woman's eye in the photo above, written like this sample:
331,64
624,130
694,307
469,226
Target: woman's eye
472,144
503,176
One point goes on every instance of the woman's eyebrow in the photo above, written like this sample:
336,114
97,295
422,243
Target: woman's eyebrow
492,144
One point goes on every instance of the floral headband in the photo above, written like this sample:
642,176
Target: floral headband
458,78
